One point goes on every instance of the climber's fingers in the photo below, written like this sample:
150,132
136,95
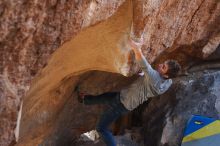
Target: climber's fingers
135,44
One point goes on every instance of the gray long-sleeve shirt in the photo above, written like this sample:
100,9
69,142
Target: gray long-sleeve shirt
149,85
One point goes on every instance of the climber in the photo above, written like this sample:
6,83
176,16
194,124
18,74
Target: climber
153,83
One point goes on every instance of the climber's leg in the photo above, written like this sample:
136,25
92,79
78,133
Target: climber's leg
107,118
105,98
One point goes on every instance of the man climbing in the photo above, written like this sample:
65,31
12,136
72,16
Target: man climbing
153,83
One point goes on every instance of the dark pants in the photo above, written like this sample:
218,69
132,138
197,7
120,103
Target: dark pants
108,116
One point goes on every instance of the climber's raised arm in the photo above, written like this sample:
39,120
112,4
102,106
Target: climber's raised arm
141,60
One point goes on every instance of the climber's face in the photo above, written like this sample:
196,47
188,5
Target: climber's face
163,69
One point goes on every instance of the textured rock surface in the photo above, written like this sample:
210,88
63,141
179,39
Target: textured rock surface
29,32
96,48
32,30
181,29
165,117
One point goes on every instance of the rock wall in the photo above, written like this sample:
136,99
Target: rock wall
181,29
46,46
97,48
30,31
165,117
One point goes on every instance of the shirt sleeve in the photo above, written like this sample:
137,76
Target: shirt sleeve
163,86
159,84
149,72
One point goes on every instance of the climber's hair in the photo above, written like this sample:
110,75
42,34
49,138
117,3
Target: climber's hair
173,68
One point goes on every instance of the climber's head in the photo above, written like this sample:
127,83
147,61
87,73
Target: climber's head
169,69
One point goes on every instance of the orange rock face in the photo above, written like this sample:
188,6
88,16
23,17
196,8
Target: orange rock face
47,46
30,32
